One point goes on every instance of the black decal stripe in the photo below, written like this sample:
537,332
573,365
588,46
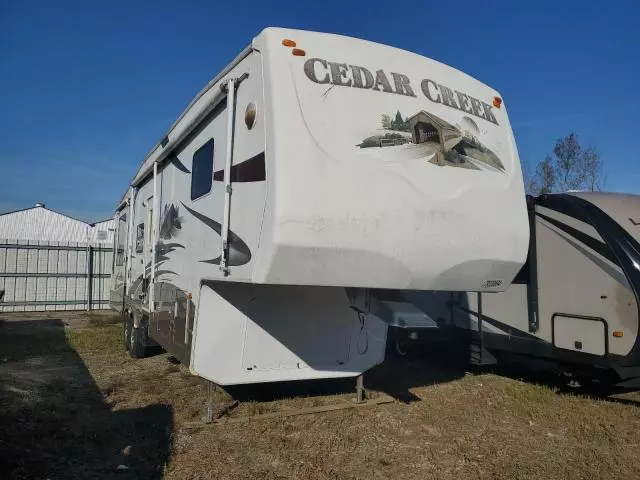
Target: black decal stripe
588,240
560,204
178,164
251,170
212,224
613,272
165,272
213,261
239,252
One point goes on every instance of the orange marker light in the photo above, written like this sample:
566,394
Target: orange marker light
497,102
288,43
298,52
618,334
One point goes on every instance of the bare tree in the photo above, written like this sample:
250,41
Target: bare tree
531,185
568,153
547,175
572,167
593,169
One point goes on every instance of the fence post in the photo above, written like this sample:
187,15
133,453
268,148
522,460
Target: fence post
89,276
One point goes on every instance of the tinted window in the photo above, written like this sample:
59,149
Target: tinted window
202,170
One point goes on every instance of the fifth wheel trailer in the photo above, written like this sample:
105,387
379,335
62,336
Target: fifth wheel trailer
574,305
311,170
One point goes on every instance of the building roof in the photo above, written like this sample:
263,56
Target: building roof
43,206
39,223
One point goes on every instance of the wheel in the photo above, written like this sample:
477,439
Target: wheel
136,343
138,340
127,326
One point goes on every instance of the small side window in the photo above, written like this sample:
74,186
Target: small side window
140,238
202,170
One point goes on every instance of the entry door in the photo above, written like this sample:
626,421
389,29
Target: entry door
207,156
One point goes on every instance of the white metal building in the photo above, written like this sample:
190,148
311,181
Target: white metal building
50,261
102,232
41,224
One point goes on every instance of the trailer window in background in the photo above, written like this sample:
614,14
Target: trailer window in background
140,238
202,170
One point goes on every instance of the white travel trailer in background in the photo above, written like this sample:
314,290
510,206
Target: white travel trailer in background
313,169
573,307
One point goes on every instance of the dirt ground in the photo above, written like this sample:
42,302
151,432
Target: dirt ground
74,405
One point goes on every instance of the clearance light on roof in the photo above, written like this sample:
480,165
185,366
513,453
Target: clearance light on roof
497,102
298,52
618,334
288,43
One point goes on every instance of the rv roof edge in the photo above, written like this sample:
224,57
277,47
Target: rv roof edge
144,172
186,131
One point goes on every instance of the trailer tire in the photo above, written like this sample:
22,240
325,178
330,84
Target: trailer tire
139,334
137,344
127,326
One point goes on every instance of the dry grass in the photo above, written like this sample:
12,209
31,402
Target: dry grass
71,402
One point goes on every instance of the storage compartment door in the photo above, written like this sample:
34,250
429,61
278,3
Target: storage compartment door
580,334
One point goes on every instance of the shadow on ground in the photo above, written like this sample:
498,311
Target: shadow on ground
396,377
561,384
54,420
430,364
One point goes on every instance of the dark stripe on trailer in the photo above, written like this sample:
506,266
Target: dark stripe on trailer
510,331
251,170
175,161
520,342
588,240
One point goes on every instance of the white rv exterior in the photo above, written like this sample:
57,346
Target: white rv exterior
285,181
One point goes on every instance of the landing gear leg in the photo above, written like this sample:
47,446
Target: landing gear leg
361,393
